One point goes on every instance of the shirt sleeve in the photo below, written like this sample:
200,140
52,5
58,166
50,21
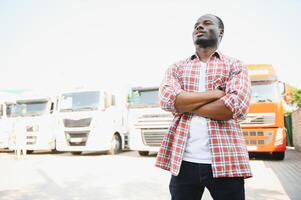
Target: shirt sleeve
238,91
169,89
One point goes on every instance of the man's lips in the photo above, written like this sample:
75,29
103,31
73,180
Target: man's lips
199,34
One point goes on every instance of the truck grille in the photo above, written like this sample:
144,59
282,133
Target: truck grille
71,123
266,137
153,127
77,138
31,134
254,119
31,139
152,136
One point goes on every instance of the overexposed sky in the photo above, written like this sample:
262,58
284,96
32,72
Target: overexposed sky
53,44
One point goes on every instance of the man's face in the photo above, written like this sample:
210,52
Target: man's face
206,32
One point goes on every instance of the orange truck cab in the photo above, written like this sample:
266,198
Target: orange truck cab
263,128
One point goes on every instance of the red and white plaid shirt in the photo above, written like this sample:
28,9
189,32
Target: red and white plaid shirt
229,153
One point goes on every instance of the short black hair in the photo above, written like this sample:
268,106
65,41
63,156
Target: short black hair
220,22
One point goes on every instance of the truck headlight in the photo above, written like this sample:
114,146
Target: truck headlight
279,137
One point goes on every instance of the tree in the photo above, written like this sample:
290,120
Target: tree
296,96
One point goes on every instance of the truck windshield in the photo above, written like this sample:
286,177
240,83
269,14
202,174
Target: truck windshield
265,92
31,108
79,101
143,98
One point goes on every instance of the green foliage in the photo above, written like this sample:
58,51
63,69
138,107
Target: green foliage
296,96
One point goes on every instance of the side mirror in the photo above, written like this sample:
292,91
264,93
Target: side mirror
52,107
282,87
113,100
286,92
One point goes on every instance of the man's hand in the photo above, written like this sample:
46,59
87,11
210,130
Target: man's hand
205,104
218,93
215,110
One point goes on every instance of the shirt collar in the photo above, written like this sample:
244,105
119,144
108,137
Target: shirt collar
217,54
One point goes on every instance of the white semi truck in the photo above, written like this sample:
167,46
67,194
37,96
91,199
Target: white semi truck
6,122
34,117
147,122
88,121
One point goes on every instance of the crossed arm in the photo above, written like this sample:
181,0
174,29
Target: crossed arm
215,104
205,104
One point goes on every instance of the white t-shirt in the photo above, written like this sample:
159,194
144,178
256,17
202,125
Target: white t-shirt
197,147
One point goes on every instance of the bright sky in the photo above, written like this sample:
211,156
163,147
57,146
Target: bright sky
53,44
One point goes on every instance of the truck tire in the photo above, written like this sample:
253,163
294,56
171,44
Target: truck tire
54,151
278,155
116,145
76,152
143,153
29,151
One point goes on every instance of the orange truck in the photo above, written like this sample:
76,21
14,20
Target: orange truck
263,128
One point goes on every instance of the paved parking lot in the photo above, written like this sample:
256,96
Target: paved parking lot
127,176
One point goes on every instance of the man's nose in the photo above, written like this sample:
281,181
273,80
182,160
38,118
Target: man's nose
199,27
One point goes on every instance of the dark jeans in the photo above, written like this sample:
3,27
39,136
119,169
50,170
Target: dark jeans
193,178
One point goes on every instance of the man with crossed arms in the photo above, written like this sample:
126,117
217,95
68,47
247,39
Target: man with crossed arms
207,93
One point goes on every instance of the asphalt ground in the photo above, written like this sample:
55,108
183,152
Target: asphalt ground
127,176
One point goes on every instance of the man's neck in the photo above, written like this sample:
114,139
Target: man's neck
205,53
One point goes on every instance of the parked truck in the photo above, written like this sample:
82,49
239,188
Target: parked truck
147,122
263,128
34,117
6,121
89,120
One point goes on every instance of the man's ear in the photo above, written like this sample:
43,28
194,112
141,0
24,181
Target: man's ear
221,33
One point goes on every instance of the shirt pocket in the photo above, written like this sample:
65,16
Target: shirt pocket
219,77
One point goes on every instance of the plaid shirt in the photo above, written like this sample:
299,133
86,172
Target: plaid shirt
229,153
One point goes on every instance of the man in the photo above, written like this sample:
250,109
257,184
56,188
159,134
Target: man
207,93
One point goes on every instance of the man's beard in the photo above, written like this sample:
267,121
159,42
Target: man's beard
204,43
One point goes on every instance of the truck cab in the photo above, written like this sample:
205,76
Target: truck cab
89,120
147,122
263,128
34,114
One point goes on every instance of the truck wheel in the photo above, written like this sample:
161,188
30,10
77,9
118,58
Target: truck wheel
278,155
252,155
29,151
76,152
54,151
143,153
115,145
